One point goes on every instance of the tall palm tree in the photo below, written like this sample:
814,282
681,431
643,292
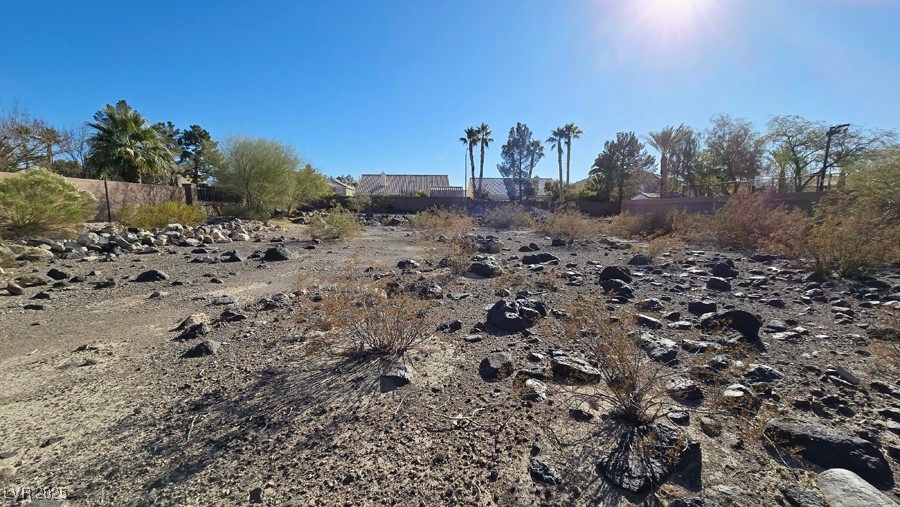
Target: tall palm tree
484,137
572,132
125,145
471,139
556,141
665,141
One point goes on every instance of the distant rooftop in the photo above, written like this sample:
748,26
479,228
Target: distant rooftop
400,184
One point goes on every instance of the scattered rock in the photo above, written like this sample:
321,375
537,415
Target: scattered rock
615,273
542,471
843,488
278,253
744,322
719,284
539,258
206,348
573,370
496,366
153,275
397,376
645,457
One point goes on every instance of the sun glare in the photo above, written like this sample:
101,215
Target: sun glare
668,25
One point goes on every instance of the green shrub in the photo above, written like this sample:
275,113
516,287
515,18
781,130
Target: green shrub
337,223
508,216
156,216
359,203
40,203
436,222
421,193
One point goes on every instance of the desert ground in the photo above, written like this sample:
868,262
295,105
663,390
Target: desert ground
255,402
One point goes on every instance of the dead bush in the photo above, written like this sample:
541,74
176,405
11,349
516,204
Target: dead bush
569,224
375,321
849,236
626,225
508,216
437,222
336,224
660,245
756,222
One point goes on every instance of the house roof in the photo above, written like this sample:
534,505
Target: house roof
400,184
336,182
496,188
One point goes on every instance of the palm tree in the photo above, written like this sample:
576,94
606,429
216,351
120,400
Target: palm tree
484,137
471,139
665,142
556,141
125,145
572,132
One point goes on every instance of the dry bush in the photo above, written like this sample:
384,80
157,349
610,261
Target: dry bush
849,236
635,387
508,216
660,245
886,348
336,224
695,228
756,222
570,224
437,222
375,321
159,215
626,225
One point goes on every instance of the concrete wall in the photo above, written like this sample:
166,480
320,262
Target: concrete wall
121,193
800,200
408,204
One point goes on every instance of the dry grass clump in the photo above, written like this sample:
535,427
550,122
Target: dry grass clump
338,223
156,216
569,224
626,225
375,321
436,222
660,245
508,216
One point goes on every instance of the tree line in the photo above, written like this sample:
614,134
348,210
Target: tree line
795,154
121,144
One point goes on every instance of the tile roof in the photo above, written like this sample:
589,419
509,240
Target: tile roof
400,184
496,187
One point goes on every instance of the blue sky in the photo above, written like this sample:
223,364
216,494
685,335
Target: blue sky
389,85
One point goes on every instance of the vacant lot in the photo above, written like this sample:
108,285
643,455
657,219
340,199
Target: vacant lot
98,399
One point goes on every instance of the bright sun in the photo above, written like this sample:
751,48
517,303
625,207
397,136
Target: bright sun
671,23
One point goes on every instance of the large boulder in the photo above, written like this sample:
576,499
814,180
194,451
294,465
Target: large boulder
831,448
485,266
843,488
277,253
615,273
515,316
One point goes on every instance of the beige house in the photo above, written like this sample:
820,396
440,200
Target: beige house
341,188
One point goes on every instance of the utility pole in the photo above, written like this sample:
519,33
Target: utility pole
837,129
465,178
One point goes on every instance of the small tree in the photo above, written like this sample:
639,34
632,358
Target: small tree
125,146
38,202
520,155
262,172
621,159
309,186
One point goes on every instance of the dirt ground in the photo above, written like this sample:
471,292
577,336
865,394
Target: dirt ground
97,400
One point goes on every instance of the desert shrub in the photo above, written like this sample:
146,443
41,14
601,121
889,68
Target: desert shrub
38,202
374,321
626,225
155,216
570,224
756,222
358,203
337,223
508,216
850,235
635,385
437,222
660,245
695,228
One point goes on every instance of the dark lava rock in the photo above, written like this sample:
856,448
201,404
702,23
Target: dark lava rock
232,316
539,258
683,388
207,348
573,370
693,502
485,267
618,288
397,376
701,307
58,275
647,321
761,373
719,284
496,366
645,457
661,350
154,275
639,260
194,331
831,448
542,471
800,497
407,264
233,256
615,273
277,253
723,270
744,322
515,316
